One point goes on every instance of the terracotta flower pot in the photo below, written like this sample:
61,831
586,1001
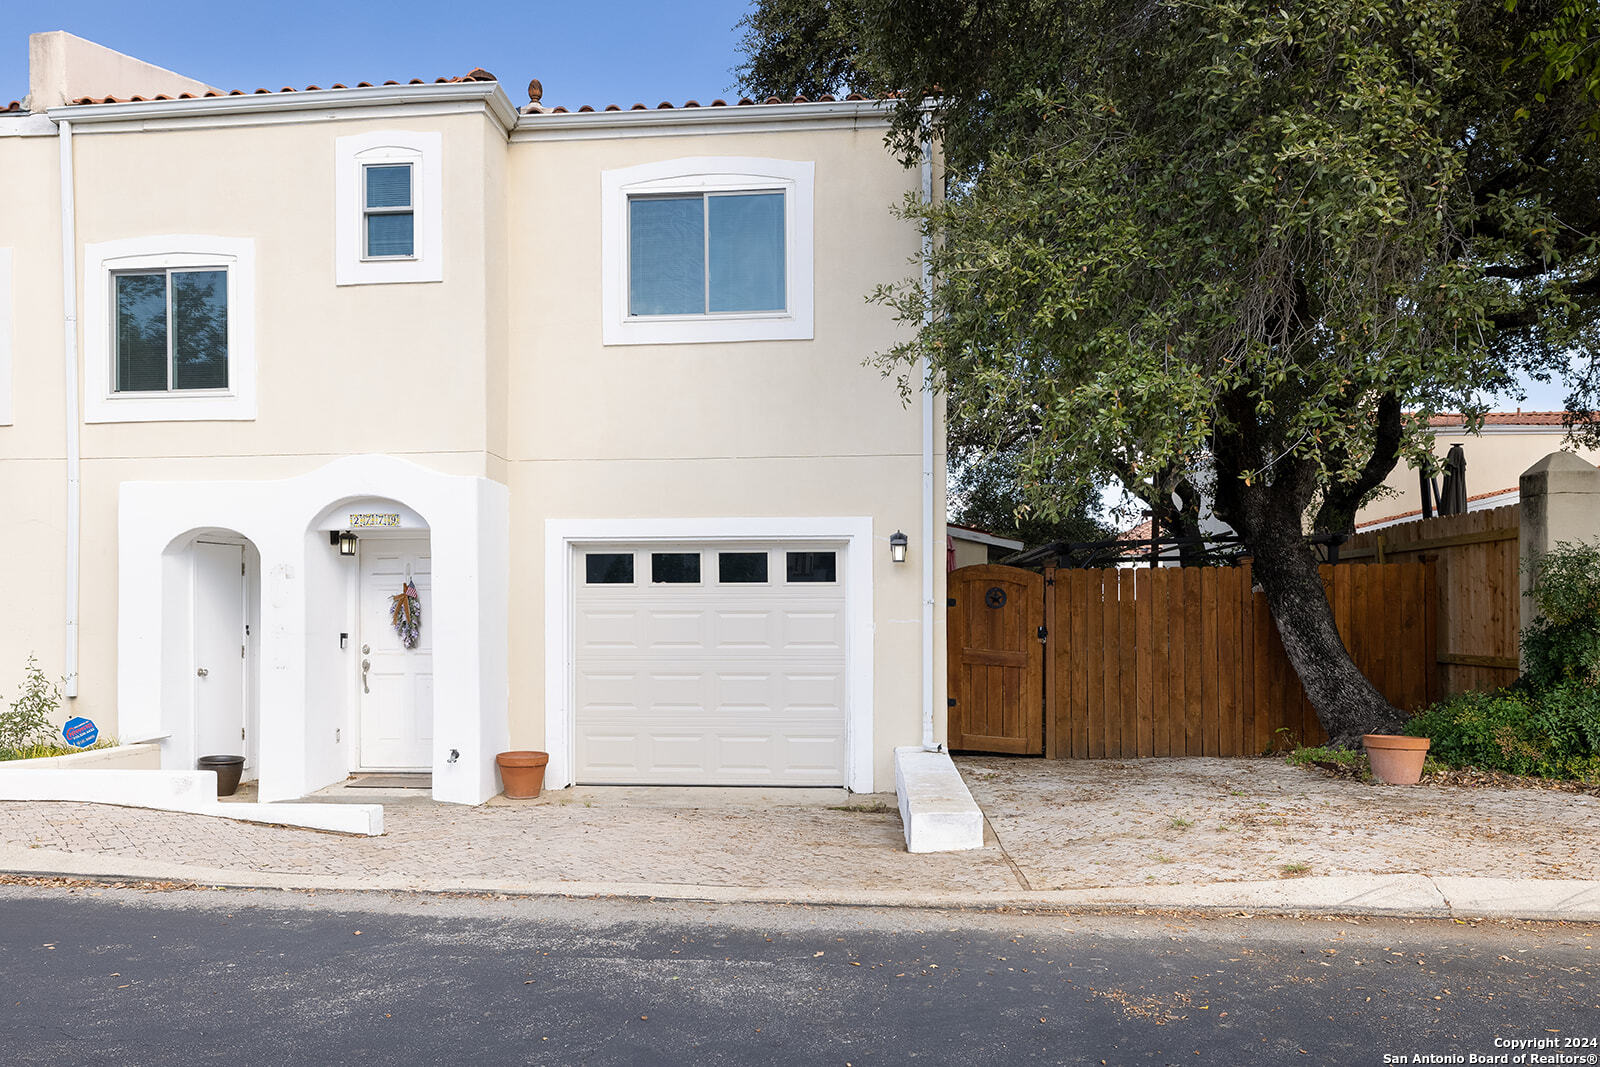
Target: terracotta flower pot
522,773
1396,760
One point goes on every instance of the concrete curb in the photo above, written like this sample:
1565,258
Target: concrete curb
1392,895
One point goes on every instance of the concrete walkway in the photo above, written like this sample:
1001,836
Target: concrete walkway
1235,835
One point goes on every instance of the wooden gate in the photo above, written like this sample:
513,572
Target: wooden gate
996,660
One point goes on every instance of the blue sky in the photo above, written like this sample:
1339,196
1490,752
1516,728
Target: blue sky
584,53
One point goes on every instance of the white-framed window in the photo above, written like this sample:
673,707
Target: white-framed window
389,223
169,329
389,208
706,249
5,337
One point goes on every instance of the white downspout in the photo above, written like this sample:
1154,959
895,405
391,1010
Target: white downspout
69,327
930,553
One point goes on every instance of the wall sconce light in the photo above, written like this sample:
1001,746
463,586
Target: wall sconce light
347,543
897,546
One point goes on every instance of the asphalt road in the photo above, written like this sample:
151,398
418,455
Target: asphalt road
128,977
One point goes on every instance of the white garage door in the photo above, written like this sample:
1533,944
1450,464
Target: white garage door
710,664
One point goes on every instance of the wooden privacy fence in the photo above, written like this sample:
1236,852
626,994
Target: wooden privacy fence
1480,609
1170,661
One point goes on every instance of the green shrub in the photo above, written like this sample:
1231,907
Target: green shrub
1563,645
30,719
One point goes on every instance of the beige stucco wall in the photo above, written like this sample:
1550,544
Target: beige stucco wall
1496,458
63,68
769,428
32,449
398,369
497,371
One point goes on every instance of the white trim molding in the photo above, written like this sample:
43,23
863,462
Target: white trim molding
5,337
250,109
236,255
677,121
708,174
425,152
561,536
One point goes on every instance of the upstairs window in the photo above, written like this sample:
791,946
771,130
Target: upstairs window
706,249
389,223
706,254
389,208
171,330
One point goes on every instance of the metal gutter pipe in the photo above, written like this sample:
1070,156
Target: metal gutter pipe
69,330
929,555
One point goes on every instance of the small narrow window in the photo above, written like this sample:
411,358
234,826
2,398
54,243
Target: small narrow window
608,568
812,566
739,568
171,330
677,568
389,221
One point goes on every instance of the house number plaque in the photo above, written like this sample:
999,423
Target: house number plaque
375,518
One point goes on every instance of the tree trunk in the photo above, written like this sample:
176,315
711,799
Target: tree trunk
1346,702
1268,515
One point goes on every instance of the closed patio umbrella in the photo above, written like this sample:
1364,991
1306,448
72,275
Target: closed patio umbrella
1453,500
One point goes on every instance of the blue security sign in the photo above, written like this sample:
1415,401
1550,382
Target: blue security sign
80,732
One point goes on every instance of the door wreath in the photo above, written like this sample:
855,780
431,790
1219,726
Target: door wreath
405,613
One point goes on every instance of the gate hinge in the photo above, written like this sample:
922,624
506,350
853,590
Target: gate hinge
951,702
950,602
1044,632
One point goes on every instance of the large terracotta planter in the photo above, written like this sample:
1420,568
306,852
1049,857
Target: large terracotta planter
1396,760
522,772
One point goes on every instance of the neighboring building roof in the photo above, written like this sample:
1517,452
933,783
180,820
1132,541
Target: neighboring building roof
15,105
1504,418
1142,532
984,537
1510,494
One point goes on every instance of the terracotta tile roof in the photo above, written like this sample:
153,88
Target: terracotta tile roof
1505,418
477,74
667,105
1414,512
15,105
1142,532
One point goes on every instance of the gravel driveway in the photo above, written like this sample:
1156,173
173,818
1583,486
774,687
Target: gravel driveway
1076,824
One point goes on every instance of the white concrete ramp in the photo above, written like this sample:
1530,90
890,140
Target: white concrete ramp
937,809
193,792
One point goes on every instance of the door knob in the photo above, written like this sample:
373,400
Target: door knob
202,672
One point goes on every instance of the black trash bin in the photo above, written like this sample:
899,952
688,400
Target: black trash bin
228,769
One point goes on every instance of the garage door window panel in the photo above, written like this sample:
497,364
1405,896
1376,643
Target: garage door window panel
742,568
675,568
820,567
608,568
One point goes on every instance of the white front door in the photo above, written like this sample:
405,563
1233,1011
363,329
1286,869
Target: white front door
219,644
396,682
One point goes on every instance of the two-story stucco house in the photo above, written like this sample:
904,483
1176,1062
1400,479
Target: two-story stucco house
589,383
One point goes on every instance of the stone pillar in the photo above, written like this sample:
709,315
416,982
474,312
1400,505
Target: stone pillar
1560,497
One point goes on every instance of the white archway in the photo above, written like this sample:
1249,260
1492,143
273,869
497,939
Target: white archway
468,522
